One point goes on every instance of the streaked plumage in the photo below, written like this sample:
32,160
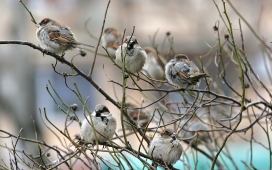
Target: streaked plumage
183,73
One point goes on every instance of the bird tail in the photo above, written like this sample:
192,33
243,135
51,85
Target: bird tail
199,76
86,45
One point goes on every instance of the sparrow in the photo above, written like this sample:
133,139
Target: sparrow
111,40
57,38
103,122
165,148
133,54
153,68
183,73
144,117
191,129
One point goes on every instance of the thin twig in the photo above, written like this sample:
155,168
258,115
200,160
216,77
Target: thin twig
98,44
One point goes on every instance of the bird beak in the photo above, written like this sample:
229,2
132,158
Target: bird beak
37,25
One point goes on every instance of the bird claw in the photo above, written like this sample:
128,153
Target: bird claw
171,167
62,55
138,77
104,144
45,52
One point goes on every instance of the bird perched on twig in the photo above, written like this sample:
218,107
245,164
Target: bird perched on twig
103,122
183,73
140,117
133,55
111,40
153,67
166,148
57,38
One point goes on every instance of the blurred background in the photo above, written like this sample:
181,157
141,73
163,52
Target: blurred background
25,72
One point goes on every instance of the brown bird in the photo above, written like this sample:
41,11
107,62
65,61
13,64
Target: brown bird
57,38
153,67
140,117
183,73
165,148
111,40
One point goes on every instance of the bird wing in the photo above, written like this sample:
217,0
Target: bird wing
134,114
180,73
199,76
180,69
113,45
57,36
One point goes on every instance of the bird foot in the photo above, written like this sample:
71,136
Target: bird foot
138,77
62,55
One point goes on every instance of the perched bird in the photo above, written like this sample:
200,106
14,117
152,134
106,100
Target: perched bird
133,54
57,38
191,130
111,40
140,117
103,122
183,73
153,67
165,148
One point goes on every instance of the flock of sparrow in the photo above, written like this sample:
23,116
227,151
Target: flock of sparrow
180,72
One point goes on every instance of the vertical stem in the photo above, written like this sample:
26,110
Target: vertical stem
101,33
237,55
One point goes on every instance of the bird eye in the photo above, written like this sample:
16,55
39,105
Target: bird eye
42,22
